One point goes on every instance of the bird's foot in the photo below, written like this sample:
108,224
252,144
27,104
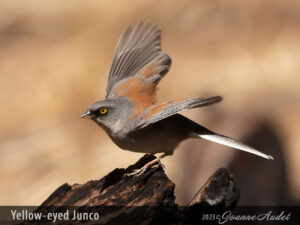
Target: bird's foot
138,172
159,164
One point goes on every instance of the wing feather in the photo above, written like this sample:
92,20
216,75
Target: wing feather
137,47
167,109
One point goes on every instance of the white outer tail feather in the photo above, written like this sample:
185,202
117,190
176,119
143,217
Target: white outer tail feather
220,139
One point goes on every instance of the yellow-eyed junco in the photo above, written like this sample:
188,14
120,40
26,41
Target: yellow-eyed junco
130,115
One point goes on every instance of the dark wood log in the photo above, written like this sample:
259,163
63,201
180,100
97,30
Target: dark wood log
145,199
150,188
219,190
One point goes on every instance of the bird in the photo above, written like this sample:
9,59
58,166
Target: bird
130,114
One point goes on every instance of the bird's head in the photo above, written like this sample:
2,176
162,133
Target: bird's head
111,115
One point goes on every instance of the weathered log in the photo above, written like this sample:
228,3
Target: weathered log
145,199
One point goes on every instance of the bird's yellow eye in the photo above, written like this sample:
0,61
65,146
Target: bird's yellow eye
103,111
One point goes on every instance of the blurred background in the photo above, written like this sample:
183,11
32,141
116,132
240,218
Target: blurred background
54,60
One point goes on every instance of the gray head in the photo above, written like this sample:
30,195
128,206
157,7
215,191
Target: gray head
111,115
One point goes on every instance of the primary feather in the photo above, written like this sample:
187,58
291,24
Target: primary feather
167,109
137,47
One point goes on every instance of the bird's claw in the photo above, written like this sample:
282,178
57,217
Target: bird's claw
138,172
159,164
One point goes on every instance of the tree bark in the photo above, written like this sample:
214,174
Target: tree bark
146,199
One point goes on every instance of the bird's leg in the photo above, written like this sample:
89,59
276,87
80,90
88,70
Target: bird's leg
158,164
138,172
149,164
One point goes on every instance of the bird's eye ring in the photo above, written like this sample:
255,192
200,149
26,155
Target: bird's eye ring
103,110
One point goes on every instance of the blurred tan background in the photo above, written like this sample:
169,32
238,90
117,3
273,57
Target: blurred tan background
54,61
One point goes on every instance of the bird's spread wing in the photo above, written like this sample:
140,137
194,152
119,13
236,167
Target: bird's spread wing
138,65
164,110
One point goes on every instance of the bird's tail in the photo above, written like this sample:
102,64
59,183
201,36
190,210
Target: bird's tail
204,133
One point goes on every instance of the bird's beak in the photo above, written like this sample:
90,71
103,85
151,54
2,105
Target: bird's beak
87,115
